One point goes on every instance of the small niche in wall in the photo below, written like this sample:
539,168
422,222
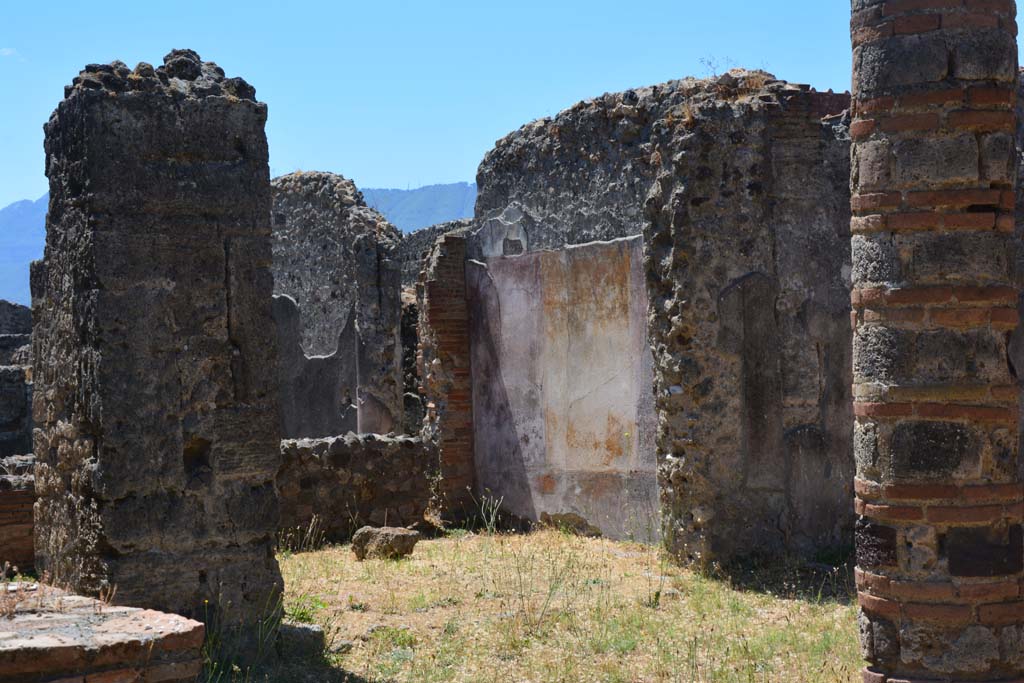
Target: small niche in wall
512,247
196,460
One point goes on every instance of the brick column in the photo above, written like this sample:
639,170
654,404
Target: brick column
939,496
443,360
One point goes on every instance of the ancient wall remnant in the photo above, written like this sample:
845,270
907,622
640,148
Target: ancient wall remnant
352,480
15,379
15,318
415,246
444,366
17,495
157,435
412,400
578,177
55,637
935,299
564,418
317,220
741,192
333,258
746,245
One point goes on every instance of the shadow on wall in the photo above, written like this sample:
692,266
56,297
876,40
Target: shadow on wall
503,461
791,465
317,393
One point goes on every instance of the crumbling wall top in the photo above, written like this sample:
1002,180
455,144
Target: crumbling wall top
583,175
318,220
183,74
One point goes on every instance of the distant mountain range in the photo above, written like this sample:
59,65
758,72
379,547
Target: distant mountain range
22,236
411,210
23,225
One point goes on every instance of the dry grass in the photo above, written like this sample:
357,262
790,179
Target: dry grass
548,606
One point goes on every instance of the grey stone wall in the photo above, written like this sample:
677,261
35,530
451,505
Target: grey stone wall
317,218
577,177
157,436
15,379
748,278
15,334
333,258
15,318
15,410
349,481
317,395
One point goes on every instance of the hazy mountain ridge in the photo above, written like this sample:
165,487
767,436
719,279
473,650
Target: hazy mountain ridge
23,225
22,237
411,210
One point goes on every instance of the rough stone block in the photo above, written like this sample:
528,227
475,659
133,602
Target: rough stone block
983,551
383,543
902,61
923,450
934,162
984,56
876,544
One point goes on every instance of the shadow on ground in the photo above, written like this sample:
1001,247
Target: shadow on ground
794,579
309,671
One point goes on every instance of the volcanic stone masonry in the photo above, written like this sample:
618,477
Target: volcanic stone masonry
15,379
350,481
339,338
157,435
940,548
746,242
415,246
17,494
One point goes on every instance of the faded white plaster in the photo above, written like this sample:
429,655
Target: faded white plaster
563,413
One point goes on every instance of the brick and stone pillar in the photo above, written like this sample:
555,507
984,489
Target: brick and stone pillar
444,362
157,435
939,494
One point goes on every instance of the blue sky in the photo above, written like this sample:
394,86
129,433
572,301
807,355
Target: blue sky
402,94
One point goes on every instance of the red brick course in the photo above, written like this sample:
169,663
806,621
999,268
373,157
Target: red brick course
937,411
930,221
16,529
